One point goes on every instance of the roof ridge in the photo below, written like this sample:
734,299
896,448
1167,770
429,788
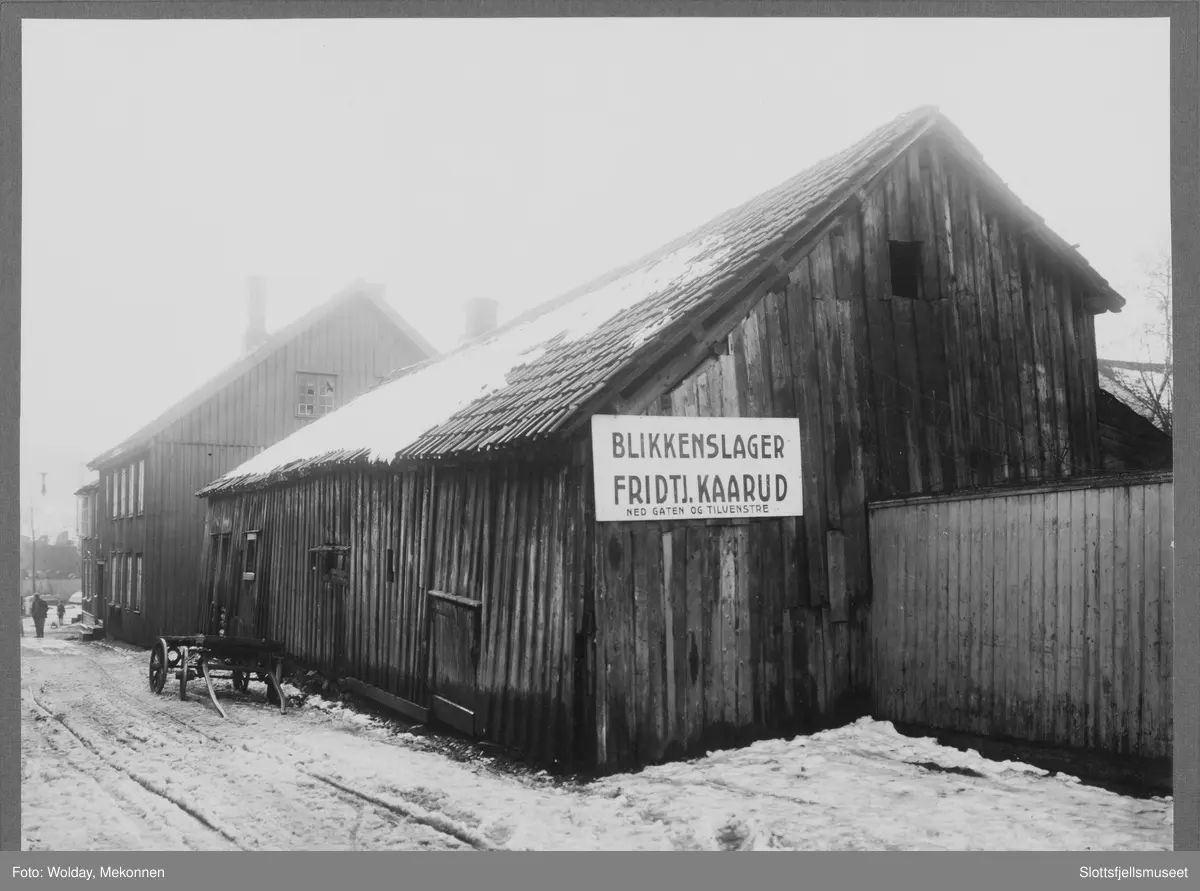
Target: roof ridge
555,362
229,372
903,121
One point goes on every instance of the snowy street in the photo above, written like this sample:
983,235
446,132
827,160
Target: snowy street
107,765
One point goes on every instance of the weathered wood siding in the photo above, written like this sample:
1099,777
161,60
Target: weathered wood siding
708,629
512,537
1043,615
175,538
232,425
987,377
121,535
504,535
626,643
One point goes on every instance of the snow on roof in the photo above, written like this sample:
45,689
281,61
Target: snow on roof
528,379
385,421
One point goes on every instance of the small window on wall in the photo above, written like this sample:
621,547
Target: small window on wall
141,487
128,580
129,479
315,395
112,495
250,557
905,261
137,583
329,560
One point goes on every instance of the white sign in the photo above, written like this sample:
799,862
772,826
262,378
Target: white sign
661,468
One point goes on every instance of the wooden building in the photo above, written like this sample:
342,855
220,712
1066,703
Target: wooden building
1146,388
1130,442
87,523
143,553
436,541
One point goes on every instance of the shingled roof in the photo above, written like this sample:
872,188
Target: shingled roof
530,379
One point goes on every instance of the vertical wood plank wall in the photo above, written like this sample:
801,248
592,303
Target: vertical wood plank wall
505,535
126,534
644,640
176,540
252,412
988,375
1041,616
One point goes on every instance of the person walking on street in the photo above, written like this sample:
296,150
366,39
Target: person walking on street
39,611
62,610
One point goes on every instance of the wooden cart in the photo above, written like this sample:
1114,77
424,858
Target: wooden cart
211,656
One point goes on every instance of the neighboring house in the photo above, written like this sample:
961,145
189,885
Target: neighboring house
90,555
1145,387
147,537
1130,443
436,541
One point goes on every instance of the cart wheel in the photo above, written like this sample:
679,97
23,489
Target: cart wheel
158,667
183,673
241,681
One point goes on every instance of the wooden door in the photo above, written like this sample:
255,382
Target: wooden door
453,659
222,595
337,592
247,619
100,593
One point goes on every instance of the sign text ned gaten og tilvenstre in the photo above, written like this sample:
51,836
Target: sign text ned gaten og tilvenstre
655,468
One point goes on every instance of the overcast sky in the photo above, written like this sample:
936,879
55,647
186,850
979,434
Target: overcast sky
165,162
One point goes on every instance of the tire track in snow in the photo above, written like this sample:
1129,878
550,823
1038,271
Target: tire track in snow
141,781
416,813
410,812
107,780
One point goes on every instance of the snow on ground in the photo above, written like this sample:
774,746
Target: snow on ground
109,765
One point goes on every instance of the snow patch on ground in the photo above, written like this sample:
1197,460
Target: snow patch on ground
862,786
326,775
63,646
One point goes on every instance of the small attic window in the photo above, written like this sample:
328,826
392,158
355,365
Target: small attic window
316,394
905,260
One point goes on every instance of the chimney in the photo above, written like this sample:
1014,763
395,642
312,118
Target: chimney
256,308
481,317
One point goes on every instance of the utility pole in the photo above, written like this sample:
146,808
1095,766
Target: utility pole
33,545
33,555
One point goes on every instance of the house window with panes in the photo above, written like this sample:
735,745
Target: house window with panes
128,580
316,394
112,495
141,487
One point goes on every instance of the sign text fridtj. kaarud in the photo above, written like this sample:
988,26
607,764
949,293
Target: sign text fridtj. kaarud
656,468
